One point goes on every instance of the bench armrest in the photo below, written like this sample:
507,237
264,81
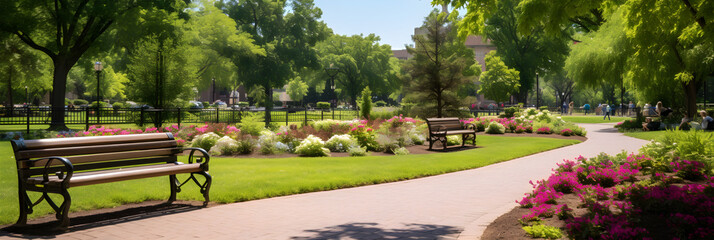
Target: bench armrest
68,168
202,159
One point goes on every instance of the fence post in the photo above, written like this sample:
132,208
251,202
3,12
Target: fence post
322,114
141,117
286,117
86,118
28,118
240,116
179,117
333,113
218,117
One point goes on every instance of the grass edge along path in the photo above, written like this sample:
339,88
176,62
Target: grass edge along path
592,119
243,179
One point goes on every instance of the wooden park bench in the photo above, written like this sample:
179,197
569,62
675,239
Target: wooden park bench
57,164
439,128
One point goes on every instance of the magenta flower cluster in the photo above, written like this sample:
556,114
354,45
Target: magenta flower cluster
616,205
544,130
690,170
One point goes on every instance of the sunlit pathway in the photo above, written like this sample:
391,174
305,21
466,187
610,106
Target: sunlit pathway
455,205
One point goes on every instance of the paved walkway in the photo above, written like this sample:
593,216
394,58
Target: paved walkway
449,206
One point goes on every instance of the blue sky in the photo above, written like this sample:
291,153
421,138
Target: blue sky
392,20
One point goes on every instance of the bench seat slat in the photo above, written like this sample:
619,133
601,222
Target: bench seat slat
466,131
106,176
68,151
103,165
106,157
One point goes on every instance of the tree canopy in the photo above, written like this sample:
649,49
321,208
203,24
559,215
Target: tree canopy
441,65
360,61
498,82
65,30
288,37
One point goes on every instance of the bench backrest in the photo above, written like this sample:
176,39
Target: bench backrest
98,152
446,123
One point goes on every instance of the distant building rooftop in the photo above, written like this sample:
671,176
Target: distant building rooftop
401,54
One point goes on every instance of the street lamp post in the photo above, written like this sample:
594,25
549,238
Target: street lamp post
537,91
27,97
98,69
330,85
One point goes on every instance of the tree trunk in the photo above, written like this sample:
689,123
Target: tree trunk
690,92
268,103
59,86
438,105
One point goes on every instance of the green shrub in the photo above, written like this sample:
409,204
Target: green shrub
366,105
78,102
340,143
323,105
543,231
495,128
543,108
267,142
101,104
224,146
206,104
118,105
380,103
251,124
382,113
243,104
66,101
453,140
246,146
312,147
205,141
510,112
357,151
401,151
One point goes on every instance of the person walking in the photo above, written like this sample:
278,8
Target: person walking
570,107
632,108
587,108
606,111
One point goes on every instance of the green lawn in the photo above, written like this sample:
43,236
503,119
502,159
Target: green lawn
242,179
650,135
593,119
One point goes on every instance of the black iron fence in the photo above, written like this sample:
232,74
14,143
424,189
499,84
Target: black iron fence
87,116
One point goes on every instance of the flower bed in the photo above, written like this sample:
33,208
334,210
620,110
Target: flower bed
525,122
631,196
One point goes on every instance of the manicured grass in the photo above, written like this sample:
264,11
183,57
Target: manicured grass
593,119
242,179
650,135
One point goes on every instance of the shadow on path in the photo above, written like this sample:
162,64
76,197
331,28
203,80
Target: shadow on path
46,227
362,231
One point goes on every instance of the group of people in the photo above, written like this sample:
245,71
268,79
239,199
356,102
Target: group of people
660,111
567,108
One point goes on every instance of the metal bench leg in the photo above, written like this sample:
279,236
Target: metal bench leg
63,214
431,142
206,187
25,205
463,140
173,183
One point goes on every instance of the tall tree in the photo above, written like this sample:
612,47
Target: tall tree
20,66
529,53
361,62
65,29
440,66
600,60
498,82
287,35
